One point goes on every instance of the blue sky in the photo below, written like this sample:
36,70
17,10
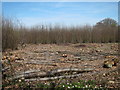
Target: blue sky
60,0
64,13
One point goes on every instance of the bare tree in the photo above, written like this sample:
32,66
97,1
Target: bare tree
103,32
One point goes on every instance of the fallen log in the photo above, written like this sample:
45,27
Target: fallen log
53,78
30,75
47,63
33,74
29,71
67,76
70,70
51,62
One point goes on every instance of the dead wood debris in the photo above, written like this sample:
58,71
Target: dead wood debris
37,73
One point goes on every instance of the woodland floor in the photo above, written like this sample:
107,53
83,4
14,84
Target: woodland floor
41,58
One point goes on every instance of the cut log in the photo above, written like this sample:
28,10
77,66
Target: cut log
70,70
47,63
51,62
50,74
67,76
53,78
30,75
33,75
29,72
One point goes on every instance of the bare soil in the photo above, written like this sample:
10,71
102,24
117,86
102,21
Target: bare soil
48,57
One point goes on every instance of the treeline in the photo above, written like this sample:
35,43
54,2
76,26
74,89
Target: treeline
105,31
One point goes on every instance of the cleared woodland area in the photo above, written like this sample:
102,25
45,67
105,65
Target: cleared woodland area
52,55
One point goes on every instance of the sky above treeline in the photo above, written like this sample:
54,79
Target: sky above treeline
63,13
